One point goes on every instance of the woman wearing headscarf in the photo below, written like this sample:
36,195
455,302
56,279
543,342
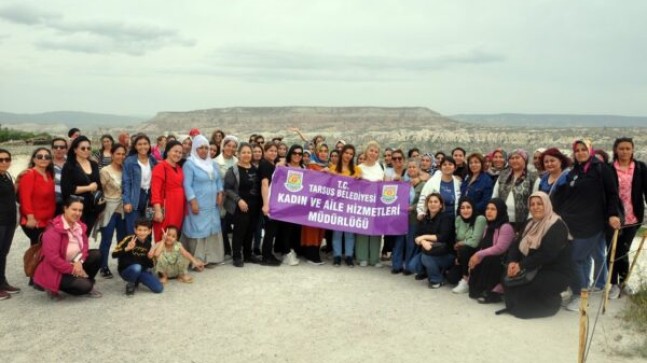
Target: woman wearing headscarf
514,186
203,189
631,176
469,231
587,202
543,247
225,160
498,163
486,265
477,184
311,236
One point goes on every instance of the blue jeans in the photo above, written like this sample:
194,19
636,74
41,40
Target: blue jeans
349,240
140,212
415,265
118,223
135,274
583,250
410,246
435,265
399,247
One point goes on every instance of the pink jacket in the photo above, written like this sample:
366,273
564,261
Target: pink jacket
53,266
501,241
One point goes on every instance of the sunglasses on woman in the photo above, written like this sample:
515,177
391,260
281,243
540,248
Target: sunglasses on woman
43,157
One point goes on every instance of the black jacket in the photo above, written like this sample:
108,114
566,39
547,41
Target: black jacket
554,252
587,199
443,227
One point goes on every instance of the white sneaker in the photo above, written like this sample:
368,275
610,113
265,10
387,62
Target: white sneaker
319,263
462,287
628,290
378,265
614,292
574,304
566,295
363,263
290,259
595,290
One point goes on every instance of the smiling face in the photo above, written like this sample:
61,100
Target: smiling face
175,154
42,158
171,237
425,162
106,144
245,155
413,171
5,162
229,149
296,157
466,210
322,154
475,165
372,153
459,157
517,163
347,156
334,157
447,168
203,152
552,164
142,146
434,205
270,154
73,212
118,156
497,160
397,158
257,153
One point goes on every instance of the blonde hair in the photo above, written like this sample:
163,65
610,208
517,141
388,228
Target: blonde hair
371,144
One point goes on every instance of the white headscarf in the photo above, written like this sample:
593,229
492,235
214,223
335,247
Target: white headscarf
204,164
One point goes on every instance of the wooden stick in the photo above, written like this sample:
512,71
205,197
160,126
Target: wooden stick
612,258
584,322
634,261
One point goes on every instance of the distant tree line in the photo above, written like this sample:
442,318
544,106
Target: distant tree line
7,134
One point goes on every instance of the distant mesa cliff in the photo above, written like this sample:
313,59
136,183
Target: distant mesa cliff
247,120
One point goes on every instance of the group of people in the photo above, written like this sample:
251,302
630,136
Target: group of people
475,221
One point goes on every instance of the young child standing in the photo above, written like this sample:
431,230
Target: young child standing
134,264
172,259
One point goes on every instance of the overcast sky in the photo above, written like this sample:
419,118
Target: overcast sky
141,57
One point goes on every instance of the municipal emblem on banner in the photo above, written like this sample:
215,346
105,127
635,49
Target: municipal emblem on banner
389,194
294,181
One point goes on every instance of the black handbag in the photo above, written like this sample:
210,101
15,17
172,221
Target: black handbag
524,277
437,249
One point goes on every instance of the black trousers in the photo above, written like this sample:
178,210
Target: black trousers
244,228
463,255
81,285
485,276
389,242
225,226
272,239
292,235
621,266
32,233
6,237
540,298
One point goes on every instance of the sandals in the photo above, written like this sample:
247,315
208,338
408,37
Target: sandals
186,278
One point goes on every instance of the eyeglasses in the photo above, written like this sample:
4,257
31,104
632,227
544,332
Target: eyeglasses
85,148
59,147
297,153
5,160
396,158
43,157
260,142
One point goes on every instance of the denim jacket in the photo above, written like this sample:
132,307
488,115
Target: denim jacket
132,180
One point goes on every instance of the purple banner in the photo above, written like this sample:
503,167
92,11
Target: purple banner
319,199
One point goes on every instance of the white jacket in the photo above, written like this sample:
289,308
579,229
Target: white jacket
433,186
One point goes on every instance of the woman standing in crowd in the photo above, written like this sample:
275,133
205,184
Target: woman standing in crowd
68,264
7,222
537,162
477,184
631,176
544,247
104,155
368,247
167,191
203,188
498,163
226,160
37,196
401,260
137,176
587,202
311,236
396,172
428,165
124,139
216,137
333,158
59,153
272,227
243,190
157,151
514,186
435,238
113,216
445,183
470,226
458,154
282,151
80,176
486,264
257,156
439,157
292,233
346,167
556,167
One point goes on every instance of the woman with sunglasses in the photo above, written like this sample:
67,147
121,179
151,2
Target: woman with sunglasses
80,176
37,196
7,221
59,156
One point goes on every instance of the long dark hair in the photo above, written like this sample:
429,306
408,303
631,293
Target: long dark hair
50,167
288,156
617,143
133,149
109,137
71,152
351,163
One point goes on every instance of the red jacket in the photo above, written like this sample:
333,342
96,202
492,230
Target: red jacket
37,197
53,266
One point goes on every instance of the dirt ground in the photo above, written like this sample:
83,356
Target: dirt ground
303,313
